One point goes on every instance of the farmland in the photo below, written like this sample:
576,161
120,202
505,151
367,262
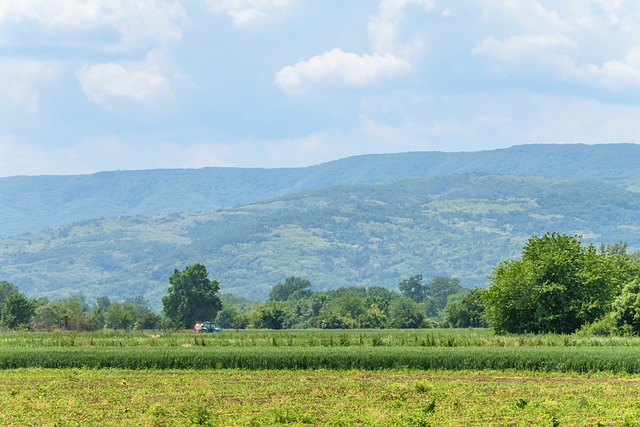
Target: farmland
316,377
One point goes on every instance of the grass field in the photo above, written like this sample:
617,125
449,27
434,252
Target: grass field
334,378
61,397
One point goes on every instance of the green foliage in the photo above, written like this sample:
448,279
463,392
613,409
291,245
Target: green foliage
440,288
54,315
626,308
412,288
231,317
341,354
291,286
469,312
375,233
6,289
557,286
17,311
406,313
121,315
191,296
271,315
374,318
148,321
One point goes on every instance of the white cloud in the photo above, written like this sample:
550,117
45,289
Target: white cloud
137,22
612,74
249,12
345,67
524,45
18,81
110,80
389,59
593,42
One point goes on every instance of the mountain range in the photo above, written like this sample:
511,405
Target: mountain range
359,221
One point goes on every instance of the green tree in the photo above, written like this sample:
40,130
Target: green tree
373,318
557,286
191,296
440,288
405,313
148,321
54,315
271,315
626,308
468,312
412,288
230,317
17,311
140,303
6,289
98,310
121,315
291,286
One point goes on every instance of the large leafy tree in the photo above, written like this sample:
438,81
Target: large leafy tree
191,296
558,286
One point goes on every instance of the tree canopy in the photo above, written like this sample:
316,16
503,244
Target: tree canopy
191,296
558,286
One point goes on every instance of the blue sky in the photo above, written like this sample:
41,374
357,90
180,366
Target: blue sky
90,85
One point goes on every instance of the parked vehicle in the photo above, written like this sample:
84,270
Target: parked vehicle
207,326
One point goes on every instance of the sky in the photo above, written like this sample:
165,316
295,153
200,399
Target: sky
93,85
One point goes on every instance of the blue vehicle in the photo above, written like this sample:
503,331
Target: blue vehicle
206,327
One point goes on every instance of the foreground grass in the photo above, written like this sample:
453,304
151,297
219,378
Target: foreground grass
60,397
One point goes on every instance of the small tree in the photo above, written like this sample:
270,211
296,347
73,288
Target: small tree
412,288
405,313
6,289
54,315
191,296
17,311
121,315
148,321
467,312
271,315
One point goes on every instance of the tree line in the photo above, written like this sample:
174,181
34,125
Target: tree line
293,304
74,313
558,285
192,296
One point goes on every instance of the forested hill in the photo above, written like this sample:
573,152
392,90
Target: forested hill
31,204
459,225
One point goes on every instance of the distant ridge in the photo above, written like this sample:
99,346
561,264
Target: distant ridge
30,204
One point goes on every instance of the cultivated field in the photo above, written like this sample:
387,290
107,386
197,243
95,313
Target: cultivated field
340,378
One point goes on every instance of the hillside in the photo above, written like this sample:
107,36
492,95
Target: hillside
33,204
458,225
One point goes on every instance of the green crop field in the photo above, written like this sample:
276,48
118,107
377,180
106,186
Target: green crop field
335,378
